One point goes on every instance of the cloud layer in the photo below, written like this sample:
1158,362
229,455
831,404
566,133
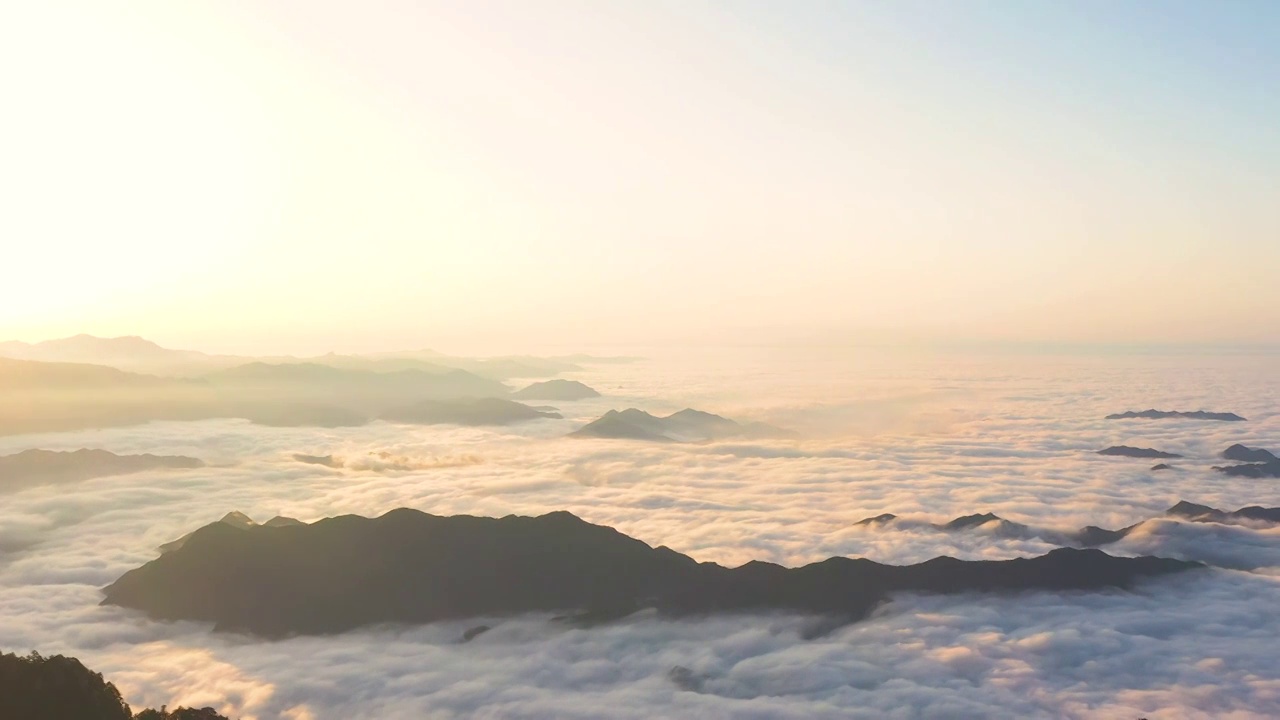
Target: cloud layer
927,441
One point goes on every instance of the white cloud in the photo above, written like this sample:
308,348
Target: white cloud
1017,441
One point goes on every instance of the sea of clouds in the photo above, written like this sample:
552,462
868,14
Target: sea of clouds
926,438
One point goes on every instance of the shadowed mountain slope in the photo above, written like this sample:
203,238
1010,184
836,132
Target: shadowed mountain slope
1252,470
1204,513
1243,454
411,567
33,687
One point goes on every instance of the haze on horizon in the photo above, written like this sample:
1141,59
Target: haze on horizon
280,177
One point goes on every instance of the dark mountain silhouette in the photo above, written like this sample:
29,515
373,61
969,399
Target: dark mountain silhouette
1252,470
557,390
235,519
410,567
30,468
482,411
1161,414
328,461
877,520
33,687
1256,512
1092,536
1162,466
1204,513
1000,526
969,521
1137,452
56,688
965,522
687,425
1192,511
1243,454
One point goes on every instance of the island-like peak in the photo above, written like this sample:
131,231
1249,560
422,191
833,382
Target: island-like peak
411,567
557,390
1243,454
687,425
1137,452
1167,414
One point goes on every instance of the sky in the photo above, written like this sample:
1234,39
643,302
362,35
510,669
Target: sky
309,176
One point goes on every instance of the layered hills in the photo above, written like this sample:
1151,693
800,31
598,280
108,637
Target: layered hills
42,396
1091,535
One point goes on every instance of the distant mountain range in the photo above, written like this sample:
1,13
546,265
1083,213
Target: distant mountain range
687,425
41,396
137,354
410,567
31,468
1091,536
1166,414
89,382
127,353
1256,462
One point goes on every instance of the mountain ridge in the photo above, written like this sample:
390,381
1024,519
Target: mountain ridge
411,567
